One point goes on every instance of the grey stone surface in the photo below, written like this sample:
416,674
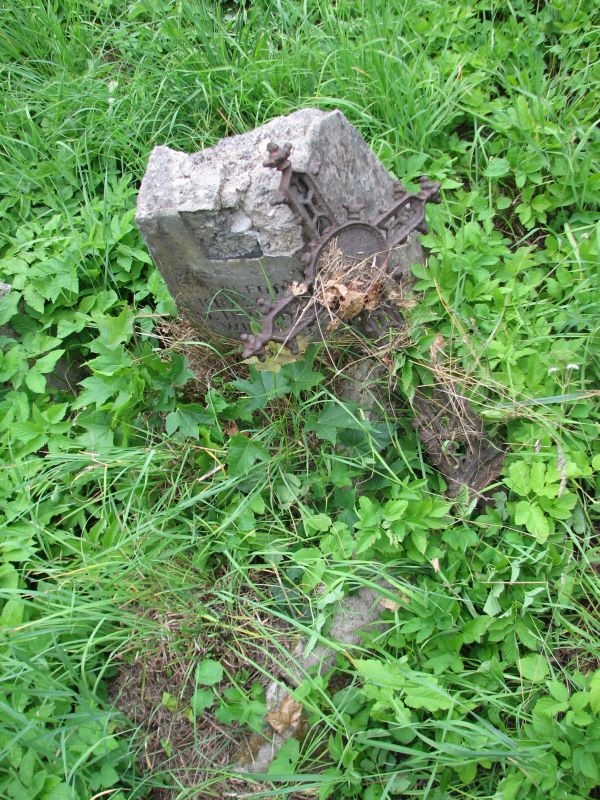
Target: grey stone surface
211,229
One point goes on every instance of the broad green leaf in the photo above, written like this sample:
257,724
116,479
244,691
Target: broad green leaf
537,477
559,507
12,613
8,306
534,667
419,539
201,700
318,522
492,607
262,387
475,629
379,673
333,418
243,453
115,330
497,168
209,672
586,763
549,706
595,692
35,381
48,362
531,515
286,759
518,478
428,696
558,691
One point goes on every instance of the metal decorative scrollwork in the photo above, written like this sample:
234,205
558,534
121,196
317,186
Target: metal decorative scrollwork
357,240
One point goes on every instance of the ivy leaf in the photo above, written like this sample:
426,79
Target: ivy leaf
186,419
286,759
262,387
243,453
301,376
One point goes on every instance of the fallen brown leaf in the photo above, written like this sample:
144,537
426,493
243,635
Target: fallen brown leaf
352,304
231,428
286,715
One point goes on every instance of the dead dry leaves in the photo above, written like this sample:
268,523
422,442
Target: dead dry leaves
287,715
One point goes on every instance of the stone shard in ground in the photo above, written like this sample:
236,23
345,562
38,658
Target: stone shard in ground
213,232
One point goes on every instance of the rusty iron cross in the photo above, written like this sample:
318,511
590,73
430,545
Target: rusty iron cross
355,238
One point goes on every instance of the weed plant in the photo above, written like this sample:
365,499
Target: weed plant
250,509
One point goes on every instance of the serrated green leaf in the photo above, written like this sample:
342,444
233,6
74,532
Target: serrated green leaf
9,306
318,522
474,629
419,539
558,691
35,381
48,362
534,667
115,330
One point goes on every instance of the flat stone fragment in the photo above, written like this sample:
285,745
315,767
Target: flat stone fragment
354,614
213,232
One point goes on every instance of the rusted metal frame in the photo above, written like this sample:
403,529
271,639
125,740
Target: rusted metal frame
405,201
298,190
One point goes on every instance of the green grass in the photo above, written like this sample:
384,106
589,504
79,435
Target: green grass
128,504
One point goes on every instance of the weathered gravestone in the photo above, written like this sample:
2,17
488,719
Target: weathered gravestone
210,224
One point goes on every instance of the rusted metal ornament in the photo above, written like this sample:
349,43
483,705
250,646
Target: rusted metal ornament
358,240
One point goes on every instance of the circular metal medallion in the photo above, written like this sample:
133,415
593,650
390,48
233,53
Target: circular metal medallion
357,241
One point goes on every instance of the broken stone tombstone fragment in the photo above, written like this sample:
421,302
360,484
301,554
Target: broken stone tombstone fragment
213,231
355,614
